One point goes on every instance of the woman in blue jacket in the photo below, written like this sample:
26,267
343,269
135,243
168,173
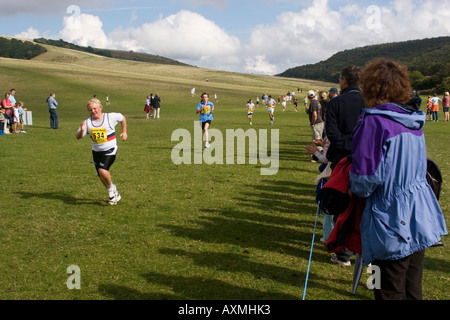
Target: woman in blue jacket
402,216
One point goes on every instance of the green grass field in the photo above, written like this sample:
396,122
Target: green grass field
180,232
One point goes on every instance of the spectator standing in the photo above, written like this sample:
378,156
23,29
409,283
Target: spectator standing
342,115
156,105
12,97
429,107
15,119
21,110
402,216
323,100
435,107
3,121
7,113
315,117
52,106
147,107
332,93
446,105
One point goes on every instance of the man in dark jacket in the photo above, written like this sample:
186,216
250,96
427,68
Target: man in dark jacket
342,114
156,104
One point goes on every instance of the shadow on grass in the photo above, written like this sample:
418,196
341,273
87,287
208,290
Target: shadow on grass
271,217
294,150
117,292
239,264
435,263
189,288
61,196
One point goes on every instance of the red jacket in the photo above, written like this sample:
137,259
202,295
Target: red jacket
335,199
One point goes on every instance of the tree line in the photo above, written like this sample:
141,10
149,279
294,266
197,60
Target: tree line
17,49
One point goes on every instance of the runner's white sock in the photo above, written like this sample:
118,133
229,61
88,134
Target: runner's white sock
111,190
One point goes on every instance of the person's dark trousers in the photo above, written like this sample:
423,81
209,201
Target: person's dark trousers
400,279
344,255
54,120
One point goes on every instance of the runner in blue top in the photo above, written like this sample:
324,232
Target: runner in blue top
206,109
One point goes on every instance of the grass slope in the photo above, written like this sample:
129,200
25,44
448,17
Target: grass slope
180,231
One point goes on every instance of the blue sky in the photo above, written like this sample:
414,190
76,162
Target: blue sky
264,36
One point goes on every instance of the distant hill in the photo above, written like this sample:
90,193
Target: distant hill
428,61
116,54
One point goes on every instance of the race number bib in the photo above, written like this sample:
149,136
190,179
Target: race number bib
206,109
99,135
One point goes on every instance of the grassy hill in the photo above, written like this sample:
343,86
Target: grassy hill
117,54
181,231
428,61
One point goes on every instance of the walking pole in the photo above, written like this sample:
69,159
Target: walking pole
310,253
357,272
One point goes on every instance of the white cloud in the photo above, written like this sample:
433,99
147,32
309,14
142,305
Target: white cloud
258,64
31,33
84,30
318,32
186,35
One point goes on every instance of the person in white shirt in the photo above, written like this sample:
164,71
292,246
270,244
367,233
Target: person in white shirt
101,128
270,104
250,108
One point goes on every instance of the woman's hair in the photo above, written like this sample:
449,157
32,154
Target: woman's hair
323,95
385,80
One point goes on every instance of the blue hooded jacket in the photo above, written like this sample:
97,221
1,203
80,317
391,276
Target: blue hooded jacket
389,165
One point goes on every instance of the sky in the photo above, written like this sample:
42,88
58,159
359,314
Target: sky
249,36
